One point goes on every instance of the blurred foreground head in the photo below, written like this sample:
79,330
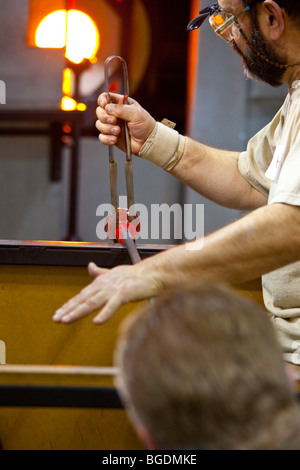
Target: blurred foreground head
201,369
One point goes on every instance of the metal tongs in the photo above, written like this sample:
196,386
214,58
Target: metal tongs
113,171
128,162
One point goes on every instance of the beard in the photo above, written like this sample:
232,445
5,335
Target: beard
261,63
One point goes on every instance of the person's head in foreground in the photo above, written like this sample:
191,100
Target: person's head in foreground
202,369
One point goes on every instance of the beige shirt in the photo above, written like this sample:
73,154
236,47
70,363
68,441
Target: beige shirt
271,164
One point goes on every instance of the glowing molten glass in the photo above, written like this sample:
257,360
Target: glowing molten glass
71,29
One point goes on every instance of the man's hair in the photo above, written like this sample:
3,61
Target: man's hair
201,369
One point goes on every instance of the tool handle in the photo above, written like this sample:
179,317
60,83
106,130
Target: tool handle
125,234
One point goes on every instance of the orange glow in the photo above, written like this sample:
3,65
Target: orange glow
81,106
194,44
51,32
82,37
68,104
67,81
218,20
60,242
72,29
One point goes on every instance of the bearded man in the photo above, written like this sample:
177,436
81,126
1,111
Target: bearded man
264,179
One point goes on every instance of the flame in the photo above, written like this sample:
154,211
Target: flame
68,79
69,104
51,30
72,29
81,106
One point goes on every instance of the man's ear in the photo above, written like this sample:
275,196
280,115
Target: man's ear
291,374
271,19
146,438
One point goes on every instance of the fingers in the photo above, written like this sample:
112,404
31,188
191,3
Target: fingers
111,108
74,310
79,307
94,270
111,113
108,310
108,127
109,290
105,292
86,302
116,98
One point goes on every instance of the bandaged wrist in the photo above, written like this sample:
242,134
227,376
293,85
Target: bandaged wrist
164,147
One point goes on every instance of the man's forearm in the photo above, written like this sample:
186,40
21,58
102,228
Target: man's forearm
260,242
214,173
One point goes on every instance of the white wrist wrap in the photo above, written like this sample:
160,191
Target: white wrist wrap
164,147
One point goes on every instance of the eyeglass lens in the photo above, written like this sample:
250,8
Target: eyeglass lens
222,24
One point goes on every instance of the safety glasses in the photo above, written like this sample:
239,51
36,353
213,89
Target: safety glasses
220,21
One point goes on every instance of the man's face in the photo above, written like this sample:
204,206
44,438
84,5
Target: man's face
256,67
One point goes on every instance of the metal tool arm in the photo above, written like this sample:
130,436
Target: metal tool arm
127,239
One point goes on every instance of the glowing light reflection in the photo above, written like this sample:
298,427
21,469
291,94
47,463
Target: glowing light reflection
74,30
